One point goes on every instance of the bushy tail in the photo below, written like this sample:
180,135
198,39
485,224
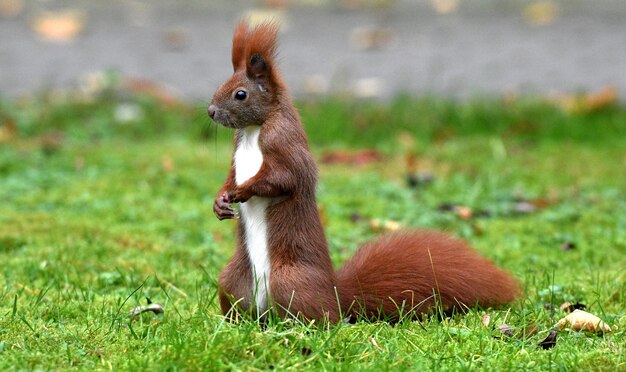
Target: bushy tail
414,271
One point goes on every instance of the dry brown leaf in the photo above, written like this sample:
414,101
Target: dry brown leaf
580,320
361,157
465,213
550,341
589,102
62,26
607,96
461,211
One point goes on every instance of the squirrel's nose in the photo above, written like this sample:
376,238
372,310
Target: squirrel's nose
212,110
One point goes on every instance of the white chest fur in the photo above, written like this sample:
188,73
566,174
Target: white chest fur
248,161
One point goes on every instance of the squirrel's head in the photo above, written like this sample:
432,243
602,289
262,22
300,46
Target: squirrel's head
248,96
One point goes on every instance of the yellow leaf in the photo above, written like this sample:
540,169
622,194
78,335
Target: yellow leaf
580,320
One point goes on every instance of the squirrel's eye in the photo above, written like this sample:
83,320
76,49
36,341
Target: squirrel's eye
241,95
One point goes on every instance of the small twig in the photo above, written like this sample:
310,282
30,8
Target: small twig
155,308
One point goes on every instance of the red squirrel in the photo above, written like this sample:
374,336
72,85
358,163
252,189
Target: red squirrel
281,262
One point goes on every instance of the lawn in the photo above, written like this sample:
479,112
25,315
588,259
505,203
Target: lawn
107,203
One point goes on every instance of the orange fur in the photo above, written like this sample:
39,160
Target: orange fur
415,270
239,45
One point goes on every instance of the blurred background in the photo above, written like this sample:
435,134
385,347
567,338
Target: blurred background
365,48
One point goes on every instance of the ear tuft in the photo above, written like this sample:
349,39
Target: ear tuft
261,54
239,45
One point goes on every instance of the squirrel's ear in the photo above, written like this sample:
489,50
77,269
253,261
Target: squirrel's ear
258,69
239,45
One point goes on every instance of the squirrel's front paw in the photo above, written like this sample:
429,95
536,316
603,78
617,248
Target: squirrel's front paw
239,195
222,207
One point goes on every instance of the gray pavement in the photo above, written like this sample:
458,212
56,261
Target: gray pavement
479,47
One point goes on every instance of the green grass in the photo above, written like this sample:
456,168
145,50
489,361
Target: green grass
98,213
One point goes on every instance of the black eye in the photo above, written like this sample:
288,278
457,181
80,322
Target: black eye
241,95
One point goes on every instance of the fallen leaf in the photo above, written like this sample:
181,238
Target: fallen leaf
486,319
506,329
392,225
588,102
550,341
384,225
361,157
568,307
463,212
62,26
580,320
607,96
